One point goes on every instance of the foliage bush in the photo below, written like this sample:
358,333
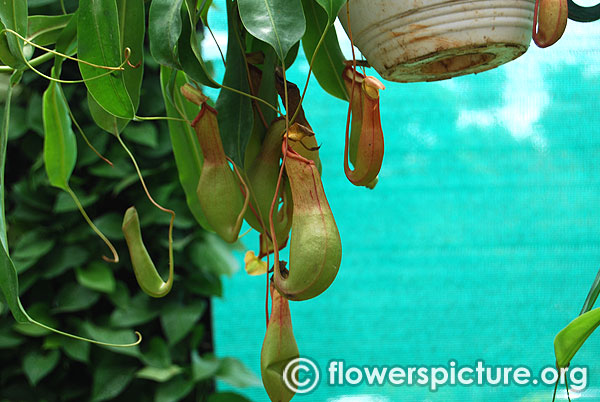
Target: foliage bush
65,284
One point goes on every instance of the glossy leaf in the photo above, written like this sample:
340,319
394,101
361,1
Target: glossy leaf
328,63
190,55
6,56
235,111
104,120
332,7
46,29
13,15
164,29
280,23
99,42
568,341
60,144
132,25
186,150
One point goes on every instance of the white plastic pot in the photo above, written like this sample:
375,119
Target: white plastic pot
429,40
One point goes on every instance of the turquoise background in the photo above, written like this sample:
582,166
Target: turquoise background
479,242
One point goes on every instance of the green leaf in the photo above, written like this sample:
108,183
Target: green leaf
568,341
332,7
99,43
174,390
158,354
142,133
190,55
132,26
235,111
9,339
178,321
328,62
280,23
111,377
63,259
72,297
105,120
96,276
64,202
203,368
164,28
75,349
186,149
13,15
235,373
60,144
592,295
137,312
45,29
110,225
6,56
30,247
116,336
159,374
213,255
37,365
227,397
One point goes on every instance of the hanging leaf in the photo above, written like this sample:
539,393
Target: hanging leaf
190,55
132,25
60,144
592,295
103,119
186,149
164,29
99,42
280,23
568,341
13,15
328,63
45,29
235,111
332,7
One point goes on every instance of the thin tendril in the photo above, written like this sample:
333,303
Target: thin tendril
62,6
66,81
245,233
312,60
85,138
115,258
139,173
347,140
247,194
285,146
555,389
256,98
115,345
119,68
267,293
567,387
151,118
